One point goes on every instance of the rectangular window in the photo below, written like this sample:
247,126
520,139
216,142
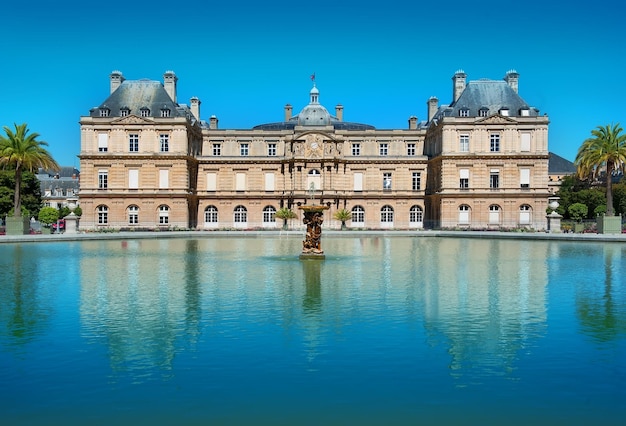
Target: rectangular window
243,149
386,181
525,142
494,142
164,177
416,181
217,149
383,149
464,113
410,149
240,182
464,178
271,149
269,182
133,179
133,142
356,149
358,181
103,179
464,143
494,179
103,142
165,113
211,182
524,178
164,140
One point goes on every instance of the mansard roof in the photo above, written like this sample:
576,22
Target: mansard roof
136,95
493,95
560,165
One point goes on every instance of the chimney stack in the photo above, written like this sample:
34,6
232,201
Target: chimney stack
339,112
116,79
288,110
169,82
213,122
195,107
412,122
512,79
433,105
458,84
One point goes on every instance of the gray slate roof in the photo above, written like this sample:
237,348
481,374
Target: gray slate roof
137,94
558,165
491,94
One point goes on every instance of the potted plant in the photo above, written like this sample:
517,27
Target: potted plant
48,216
343,215
285,214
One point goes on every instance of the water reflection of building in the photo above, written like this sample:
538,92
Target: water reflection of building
137,302
489,304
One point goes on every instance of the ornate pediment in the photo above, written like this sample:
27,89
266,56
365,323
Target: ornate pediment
496,119
132,119
316,146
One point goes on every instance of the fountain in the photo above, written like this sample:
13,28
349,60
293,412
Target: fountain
313,219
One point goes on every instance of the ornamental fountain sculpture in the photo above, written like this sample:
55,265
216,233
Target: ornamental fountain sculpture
313,219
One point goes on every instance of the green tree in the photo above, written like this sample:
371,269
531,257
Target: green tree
285,214
78,211
64,211
31,193
48,215
22,151
343,215
604,152
578,211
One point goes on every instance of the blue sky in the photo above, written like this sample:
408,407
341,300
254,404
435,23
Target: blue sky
246,60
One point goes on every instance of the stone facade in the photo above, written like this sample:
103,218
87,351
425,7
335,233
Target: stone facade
149,162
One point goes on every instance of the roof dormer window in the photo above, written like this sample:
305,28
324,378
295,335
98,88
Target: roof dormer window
483,112
124,112
464,112
524,112
165,111
145,112
104,112
504,112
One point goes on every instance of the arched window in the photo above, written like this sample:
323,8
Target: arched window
103,215
358,216
269,216
240,216
525,214
164,215
464,214
386,214
133,215
494,214
416,217
210,214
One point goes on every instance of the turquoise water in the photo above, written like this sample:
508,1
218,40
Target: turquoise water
389,330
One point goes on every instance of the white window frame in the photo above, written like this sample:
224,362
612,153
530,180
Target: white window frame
133,215
383,149
464,140
411,149
164,142
356,149
103,142
103,179
210,217
271,149
416,217
416,181
494,142
133,142
269,217
357,217
164,214
244,149
103,214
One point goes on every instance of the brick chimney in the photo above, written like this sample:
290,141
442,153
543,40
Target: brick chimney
195,107
339,112
433,105
512,79
288,109
116,78
458,84
169,82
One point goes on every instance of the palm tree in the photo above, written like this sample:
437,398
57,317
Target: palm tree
285,213
343,215
23,151
605,151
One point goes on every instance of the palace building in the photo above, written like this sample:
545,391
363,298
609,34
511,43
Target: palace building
148,162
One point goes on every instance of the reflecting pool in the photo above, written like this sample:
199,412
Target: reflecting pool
386,330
